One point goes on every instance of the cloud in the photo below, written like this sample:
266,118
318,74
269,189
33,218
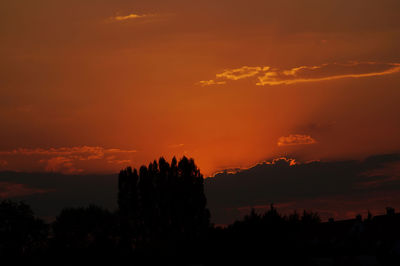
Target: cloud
65,159
295,139
12,190
130,16
327,72
381,176
79,152
234,74
211,82
275,161
60,164
306,183
241,73
274,76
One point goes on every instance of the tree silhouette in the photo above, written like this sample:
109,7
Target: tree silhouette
163,203
86,233
82,227
21,234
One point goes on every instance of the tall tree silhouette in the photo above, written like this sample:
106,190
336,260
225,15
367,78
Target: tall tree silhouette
163,202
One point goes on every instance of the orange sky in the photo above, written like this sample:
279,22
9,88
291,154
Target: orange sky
96,85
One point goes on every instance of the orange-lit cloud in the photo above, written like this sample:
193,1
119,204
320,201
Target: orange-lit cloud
275,161
325,72
60,164
295,139
66,159
241,73
80,152
234,74
130,16
283,160
211,82
322,73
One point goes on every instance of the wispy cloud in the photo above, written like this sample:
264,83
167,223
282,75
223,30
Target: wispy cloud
11,190
136,17
211,82
233,74
275,161
266,75
241,73
385,175
130,16
326,72
60,163
295,139
65,159
79,152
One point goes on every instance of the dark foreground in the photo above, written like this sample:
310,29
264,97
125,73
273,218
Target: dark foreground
95,236
162,219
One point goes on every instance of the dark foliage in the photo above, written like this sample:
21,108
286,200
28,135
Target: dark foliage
83,233
271,234
22,236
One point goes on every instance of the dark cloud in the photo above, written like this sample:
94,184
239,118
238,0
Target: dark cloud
283,182
12,190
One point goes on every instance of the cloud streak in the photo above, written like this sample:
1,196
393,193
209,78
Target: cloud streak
65,159
241,73
78,152
233,74
266,75
12,190
211,82
129,17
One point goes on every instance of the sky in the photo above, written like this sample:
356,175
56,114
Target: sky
92,86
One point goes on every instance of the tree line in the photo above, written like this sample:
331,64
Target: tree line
162,217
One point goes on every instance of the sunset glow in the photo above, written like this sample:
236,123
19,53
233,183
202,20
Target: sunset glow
91,87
